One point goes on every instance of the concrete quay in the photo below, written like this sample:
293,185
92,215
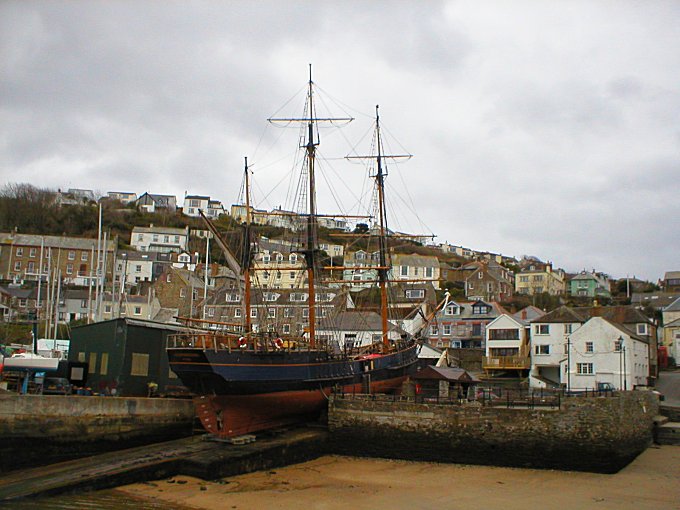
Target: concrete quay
193,456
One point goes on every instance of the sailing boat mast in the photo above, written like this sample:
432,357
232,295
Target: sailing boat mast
382,240
311,249
247,248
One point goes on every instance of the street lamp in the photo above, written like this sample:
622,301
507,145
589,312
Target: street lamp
622,370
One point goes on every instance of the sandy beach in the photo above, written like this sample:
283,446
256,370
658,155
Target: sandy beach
652,481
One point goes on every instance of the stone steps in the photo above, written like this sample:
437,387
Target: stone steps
668,434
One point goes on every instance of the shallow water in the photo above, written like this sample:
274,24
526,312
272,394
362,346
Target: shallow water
98,500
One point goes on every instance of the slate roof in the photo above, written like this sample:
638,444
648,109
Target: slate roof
62,242
446,374
673,307
360,321
618,314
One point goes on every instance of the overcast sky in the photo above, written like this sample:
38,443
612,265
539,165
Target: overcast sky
542,128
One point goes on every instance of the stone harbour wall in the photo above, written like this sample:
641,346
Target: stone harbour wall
49,428
600,434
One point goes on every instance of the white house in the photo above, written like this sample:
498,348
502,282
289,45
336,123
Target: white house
160,239
415,267
602,351
194,203
356,328
507,345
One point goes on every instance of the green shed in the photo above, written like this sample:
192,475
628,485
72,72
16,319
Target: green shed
125,355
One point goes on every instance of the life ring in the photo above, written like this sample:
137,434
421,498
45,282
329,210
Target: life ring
278,343
242,342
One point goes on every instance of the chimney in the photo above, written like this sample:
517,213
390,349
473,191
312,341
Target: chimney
524,314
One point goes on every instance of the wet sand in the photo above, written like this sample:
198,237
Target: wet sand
652,481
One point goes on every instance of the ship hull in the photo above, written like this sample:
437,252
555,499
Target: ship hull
244,392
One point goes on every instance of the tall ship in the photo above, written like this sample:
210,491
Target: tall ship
248,375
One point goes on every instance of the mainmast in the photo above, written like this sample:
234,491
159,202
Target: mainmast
311,251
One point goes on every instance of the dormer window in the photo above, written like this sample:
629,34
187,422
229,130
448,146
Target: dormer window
293,258
480,309
642,329
452,310
415,293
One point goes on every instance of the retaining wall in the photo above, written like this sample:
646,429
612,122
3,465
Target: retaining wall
600,434
37,429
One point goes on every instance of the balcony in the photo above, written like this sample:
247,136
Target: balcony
506,362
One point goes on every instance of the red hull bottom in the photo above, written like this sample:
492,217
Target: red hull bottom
227,416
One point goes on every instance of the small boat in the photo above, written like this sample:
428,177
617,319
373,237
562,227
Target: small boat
30,361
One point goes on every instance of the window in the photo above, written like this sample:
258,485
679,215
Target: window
567,329
177,239
168,278
293,258
104,367
92,368
266,259
83,256
590,347
140,364
140,237
415,293
446,329
292,275
155,238
542,329
69,268
452,310
271,313
31,267
107,308
480,275
287,312
434,330
182,292
642,329
538,278
618,344
17,266
524,279
489,287
237,313
286,328
166,239
504,334
211,312
403,270
253,313
429,272
83,303
20,252
138,310
541,349
305,313
32,252
584,368
480,309
138,268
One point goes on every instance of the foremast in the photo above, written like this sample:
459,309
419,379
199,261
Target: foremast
247,251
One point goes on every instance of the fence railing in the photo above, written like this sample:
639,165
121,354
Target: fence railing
494,397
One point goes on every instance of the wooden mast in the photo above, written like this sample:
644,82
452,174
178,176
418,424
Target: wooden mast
247,248
311,250
382,241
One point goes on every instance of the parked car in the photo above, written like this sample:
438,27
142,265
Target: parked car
57,386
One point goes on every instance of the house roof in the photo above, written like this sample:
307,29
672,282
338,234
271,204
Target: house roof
618,314
361,321
620,327
655,299
200,197
445,374
62,242
671,275
159,230
528,314
673,307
